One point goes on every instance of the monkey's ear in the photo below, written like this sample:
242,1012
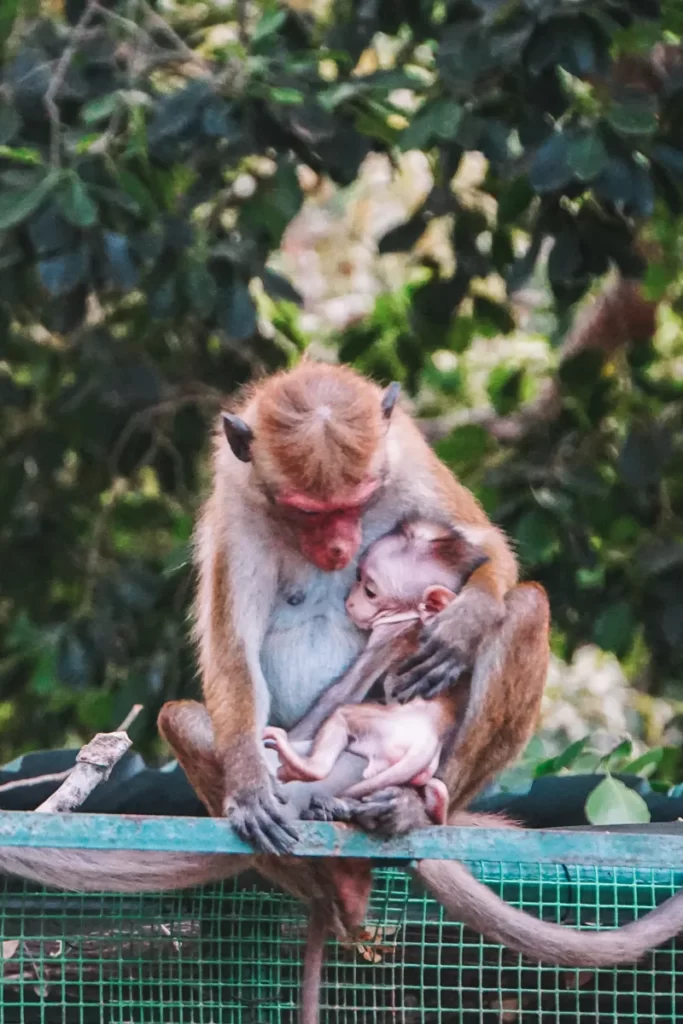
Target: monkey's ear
434,600
239,436
389,399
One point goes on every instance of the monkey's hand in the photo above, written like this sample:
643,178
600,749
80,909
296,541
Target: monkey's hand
448,647
257,816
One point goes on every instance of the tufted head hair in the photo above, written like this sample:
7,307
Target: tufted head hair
317,429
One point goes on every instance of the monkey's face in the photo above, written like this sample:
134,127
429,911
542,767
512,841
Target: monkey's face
363,605
368,599
328,534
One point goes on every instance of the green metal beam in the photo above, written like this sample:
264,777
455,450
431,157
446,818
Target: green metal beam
208,835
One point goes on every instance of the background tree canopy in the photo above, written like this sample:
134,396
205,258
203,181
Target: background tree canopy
150,162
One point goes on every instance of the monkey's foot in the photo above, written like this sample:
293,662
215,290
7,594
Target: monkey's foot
392,812
256,815
331,808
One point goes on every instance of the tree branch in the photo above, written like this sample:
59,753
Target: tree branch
94,764
57,81
618,317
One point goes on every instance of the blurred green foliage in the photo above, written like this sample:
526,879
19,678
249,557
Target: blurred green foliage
145,181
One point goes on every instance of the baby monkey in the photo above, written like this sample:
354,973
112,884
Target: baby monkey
404,580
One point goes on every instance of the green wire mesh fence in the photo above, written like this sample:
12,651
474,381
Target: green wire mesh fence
232,954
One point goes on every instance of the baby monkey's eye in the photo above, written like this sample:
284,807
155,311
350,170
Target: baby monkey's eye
369,592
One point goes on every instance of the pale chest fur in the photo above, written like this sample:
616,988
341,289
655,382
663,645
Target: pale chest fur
310,640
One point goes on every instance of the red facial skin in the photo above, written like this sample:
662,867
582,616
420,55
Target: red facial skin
329,533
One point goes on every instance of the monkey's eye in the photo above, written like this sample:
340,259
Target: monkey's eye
369,592
308,512
359,575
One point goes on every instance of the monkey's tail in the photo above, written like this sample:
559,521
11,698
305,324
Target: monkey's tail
118,871
313,965
469,901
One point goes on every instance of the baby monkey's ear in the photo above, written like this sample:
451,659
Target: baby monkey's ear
434,600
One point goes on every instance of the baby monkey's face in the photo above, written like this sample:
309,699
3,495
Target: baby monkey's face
366,601
391,578
398,575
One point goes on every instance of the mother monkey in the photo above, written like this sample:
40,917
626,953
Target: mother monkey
314,465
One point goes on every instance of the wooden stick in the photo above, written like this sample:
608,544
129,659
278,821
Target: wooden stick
94,764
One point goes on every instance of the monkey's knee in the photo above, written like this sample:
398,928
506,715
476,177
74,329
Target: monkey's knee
186,725
527,603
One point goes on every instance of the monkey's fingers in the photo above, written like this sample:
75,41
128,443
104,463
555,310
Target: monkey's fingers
431,685
442,666
257,820
416,683
377,812
429,646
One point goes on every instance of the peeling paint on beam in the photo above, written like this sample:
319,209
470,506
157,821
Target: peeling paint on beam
207,835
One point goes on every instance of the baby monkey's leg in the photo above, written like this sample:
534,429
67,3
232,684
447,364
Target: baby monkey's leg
436,801
330,741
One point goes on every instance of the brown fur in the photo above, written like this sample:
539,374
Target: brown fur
507,683
422,484
294,446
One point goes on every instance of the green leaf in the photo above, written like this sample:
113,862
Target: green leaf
613,803
492,315
22,155
634,115
278,287
550,169
614,629
612,759
100,109
669,157
646,764
42,679
504,388
404,236
644,455
465,447
10,122
202,289
288,97
269,23
239,314
8,12
438,119
587,156
565,262
17,206
217,121
177,112
554,765
537,537
122,270
73,663
61,274
75,202
138,192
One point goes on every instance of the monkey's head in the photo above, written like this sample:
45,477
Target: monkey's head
420,566
314,437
